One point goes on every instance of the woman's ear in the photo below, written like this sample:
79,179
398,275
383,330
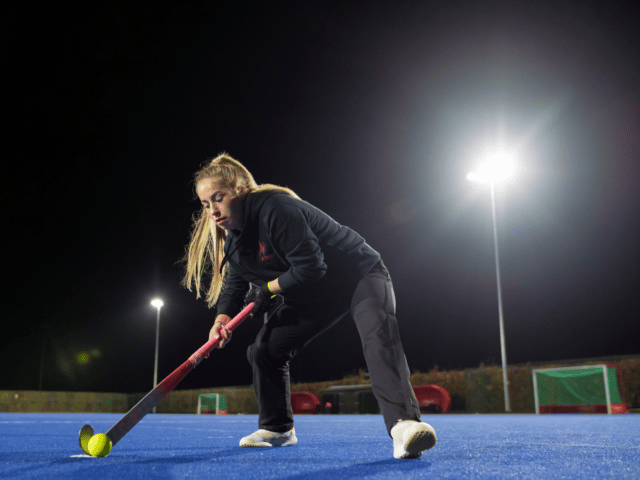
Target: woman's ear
241,190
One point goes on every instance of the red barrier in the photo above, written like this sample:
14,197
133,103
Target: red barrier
432,398
304,402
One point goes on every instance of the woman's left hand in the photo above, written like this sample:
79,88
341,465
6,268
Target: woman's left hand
263,298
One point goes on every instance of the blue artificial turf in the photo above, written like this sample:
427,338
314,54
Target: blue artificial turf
343,446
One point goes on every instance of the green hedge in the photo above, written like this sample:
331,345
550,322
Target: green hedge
39,401
474,390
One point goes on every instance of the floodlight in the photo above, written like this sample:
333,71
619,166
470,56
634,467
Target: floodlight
157,303
497,166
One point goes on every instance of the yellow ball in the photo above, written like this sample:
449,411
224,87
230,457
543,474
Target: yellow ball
99,445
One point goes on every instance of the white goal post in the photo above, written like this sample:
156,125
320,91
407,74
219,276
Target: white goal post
571,387
212,403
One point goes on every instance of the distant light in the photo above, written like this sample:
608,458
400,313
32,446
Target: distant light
82,358
157,303
497,166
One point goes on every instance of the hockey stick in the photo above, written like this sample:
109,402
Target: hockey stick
155,396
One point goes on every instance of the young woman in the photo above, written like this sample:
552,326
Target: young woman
267,236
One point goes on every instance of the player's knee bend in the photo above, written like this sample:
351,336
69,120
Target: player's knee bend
250,354
369,318
376,327
260,355
379,299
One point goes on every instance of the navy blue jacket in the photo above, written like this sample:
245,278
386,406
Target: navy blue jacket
313,256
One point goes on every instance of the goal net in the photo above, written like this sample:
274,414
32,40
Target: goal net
582,389
212,403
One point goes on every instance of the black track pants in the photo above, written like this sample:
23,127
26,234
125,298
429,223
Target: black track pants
372,306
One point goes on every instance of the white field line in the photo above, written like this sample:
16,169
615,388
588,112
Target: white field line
547,444
40,421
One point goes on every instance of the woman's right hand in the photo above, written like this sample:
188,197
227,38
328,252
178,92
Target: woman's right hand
219,331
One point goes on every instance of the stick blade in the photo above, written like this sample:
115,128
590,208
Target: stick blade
85,434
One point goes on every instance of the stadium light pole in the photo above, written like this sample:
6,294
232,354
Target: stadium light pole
496,168
158,304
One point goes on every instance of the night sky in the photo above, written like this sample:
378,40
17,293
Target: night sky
372,111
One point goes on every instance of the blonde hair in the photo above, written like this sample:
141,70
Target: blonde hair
206,245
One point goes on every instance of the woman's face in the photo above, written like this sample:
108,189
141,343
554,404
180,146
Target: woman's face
223,205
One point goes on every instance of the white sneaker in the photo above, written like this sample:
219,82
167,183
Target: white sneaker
265,438
411,438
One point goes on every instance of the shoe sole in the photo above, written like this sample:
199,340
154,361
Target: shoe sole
252,443
422,438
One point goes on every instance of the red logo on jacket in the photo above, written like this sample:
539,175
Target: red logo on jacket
263,255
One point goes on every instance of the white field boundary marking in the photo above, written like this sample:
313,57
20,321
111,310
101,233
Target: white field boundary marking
381,436
569,444
233,420
39,421
94,422
140,427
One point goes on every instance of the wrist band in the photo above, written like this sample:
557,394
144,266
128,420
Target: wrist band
269,288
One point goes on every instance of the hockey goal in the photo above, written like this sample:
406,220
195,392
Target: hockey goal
580,389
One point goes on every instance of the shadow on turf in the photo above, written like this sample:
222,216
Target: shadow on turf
354,470
53,464
361,470
126,465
